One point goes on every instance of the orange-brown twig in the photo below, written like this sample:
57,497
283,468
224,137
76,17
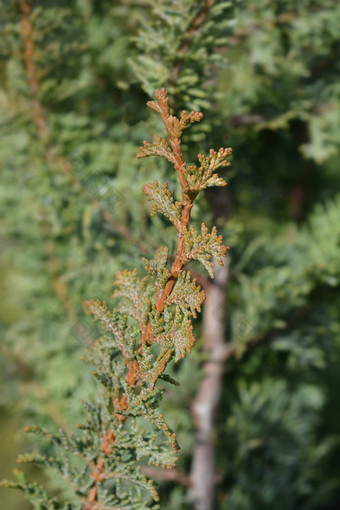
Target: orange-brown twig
187,203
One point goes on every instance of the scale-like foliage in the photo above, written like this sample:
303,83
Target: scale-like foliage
112,444
187,301
180,43
178,329
129,287
204,246
280,92
157,267
203,177
163,203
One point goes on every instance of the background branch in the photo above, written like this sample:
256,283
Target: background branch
207,400
53,154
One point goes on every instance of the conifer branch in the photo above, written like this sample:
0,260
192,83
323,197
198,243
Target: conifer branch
167,475
192,181
174,128
32,75
40,120
53,156
192,30
155,310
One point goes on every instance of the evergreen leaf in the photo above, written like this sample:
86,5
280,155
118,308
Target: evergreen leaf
204,246
159,147
187,295
115,323
135,294
157,269
163,203
176,329
203,177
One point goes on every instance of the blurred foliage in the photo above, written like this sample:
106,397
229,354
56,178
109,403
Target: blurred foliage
265,75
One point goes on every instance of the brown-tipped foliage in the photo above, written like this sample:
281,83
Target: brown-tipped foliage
124,431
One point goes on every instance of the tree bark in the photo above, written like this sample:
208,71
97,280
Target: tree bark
206,402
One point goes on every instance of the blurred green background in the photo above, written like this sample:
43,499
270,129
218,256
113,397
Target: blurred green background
75,77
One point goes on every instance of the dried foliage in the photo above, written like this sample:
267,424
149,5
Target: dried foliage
152,325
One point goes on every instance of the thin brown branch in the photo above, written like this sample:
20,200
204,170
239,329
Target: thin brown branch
32,75
187,200
167,475
187,203
207,400
247,119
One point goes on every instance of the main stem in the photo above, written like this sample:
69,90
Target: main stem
187,203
